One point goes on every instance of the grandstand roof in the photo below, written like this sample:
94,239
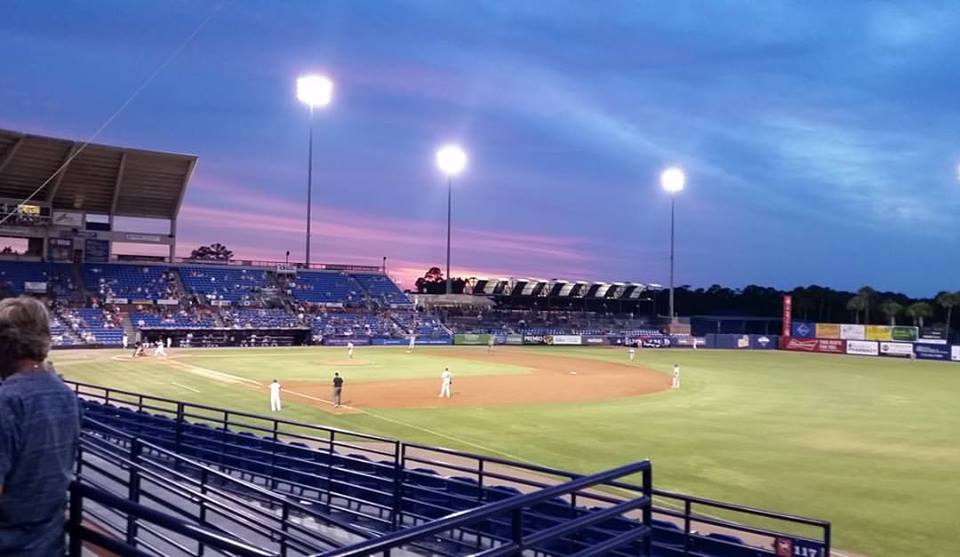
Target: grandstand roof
103,179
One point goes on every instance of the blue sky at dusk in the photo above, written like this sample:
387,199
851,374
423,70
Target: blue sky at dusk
821,139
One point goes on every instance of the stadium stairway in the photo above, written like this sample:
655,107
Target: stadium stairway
386,487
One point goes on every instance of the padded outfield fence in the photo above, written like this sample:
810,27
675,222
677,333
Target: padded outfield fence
371,486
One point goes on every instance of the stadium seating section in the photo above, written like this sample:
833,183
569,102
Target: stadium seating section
218,283
325,288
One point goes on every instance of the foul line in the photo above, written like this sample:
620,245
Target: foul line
185,387
412,426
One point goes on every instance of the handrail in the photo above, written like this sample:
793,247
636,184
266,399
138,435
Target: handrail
266,494
79,491
458,519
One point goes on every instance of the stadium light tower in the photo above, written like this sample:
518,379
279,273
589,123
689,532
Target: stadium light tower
451,160
316,91
672,181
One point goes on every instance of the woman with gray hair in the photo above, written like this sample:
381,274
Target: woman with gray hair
39,432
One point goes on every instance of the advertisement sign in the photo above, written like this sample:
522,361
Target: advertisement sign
932,333
532,339
342,341
828,330
64,218
853,332
433,341
563,340
901,349
471,339
655,342
514,339
116,300
800,344
863,348
955,353
787,314
764,342
879,332
932,351
594,340
904,334
829,346
388,341
34,287
803,329
168,302
142,238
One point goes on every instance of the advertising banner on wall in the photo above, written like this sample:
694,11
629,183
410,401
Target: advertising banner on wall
803,329
471,339
932,333
532,339
879,332
828,330
787,315
659,341
594,340
955,353
904,334
34,287
853,332
863,348
434,341
764,342
830,346
514,339
901,349
562,340
342,341
932,351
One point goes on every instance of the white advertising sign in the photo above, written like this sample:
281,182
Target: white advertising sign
863,347
896,349
955,353
35,287
853,332
564,340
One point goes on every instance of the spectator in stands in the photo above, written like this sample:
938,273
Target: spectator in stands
39,432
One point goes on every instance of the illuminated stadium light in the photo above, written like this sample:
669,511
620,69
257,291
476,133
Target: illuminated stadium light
673,179
451,160
314,90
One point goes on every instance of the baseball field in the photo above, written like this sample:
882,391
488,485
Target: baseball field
871,444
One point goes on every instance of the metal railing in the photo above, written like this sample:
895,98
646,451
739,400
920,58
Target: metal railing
406,463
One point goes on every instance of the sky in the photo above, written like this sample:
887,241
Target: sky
819,139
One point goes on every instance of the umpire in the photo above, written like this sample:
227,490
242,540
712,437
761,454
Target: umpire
337,389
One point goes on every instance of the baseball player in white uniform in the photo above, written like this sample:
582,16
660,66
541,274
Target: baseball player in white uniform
490,342
350,350
275,405
632,354
169,342
159,351
676,377
446,379
413,343
124,340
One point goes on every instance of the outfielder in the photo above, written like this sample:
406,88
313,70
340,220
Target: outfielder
350,350
490,344
676,377
632,354
446,380
275,405
413,342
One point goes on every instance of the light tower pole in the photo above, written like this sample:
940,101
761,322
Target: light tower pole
314,91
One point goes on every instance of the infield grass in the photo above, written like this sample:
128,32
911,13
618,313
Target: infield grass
871,444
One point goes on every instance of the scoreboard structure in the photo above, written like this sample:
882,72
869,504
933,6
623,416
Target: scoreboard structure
73,201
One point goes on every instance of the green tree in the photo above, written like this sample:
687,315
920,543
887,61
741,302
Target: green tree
919,311
891,309
213,252
948,301
856,305
868,294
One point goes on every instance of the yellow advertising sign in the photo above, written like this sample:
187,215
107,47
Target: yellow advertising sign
879,332
828,330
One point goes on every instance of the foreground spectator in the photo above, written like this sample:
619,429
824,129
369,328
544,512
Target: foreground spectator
39,431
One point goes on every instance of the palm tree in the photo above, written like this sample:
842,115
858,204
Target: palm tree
948,300
918,311
856,305
868,294
891,309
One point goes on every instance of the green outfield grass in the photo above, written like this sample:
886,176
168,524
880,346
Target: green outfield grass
871,444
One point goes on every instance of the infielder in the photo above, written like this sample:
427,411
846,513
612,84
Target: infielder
159,351
490,342
413,342
350,350
676,377
632,353
275,405
337,389
446,380
169,342
124,340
